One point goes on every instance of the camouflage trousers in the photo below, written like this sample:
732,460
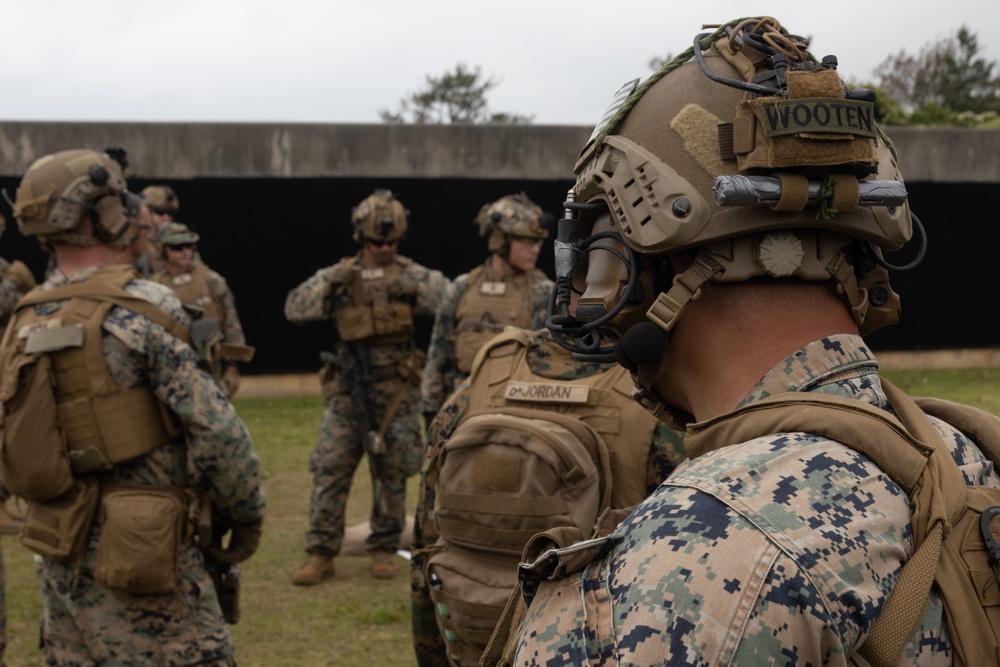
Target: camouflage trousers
85,624
338,452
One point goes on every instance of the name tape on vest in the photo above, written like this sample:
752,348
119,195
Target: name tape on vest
373,274
183,279
818,114
546,392
493,289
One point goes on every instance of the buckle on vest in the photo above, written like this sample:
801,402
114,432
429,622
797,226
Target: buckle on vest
992,548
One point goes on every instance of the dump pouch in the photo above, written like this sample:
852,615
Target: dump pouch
58,529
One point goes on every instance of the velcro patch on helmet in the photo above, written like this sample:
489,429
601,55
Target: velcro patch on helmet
699,128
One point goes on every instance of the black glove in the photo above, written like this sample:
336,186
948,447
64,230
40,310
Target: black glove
244,538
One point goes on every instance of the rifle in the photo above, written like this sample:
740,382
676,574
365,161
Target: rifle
362,388
226,578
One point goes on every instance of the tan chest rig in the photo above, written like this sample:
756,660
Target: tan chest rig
370,308
503,378
487,306
192,288
101,423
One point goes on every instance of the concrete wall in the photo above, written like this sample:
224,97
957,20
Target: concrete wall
527,152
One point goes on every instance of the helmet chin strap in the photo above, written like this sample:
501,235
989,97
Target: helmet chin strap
686,288
640,349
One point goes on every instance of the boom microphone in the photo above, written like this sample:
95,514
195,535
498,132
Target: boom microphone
642,344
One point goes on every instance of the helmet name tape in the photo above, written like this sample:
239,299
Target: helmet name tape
854,117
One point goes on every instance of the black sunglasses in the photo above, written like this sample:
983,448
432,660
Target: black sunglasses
379,243
181,246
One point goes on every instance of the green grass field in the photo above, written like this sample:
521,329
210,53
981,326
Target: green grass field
351,619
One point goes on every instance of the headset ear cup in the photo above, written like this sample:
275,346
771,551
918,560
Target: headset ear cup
110,221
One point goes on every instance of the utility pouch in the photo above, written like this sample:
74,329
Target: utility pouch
58,529
141,534
388,321
354,323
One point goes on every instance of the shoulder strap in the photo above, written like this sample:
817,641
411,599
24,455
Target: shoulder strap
981,426
516,335
108,292
908,449
876,433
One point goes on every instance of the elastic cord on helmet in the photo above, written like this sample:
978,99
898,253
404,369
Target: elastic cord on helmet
667,67
921,251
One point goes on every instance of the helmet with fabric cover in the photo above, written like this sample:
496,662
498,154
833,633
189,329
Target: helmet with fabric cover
161,199
379,217
751,158
175,233
507,217
58,190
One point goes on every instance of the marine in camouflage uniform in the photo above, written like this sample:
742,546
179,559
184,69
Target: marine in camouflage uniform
164,205
198,285
372,298
784,548
15,280
545,359
505,290
781,549
83,621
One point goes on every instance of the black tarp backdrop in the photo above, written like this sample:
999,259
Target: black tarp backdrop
268,235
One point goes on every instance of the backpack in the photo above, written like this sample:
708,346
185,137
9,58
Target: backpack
505,474
956,539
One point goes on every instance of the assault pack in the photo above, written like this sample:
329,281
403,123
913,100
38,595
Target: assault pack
956,533
531,454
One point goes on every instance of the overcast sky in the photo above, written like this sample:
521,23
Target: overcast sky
340,61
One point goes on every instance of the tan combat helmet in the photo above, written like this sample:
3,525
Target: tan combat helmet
379,217
509,217
755,157
174,234
161,199
58,190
